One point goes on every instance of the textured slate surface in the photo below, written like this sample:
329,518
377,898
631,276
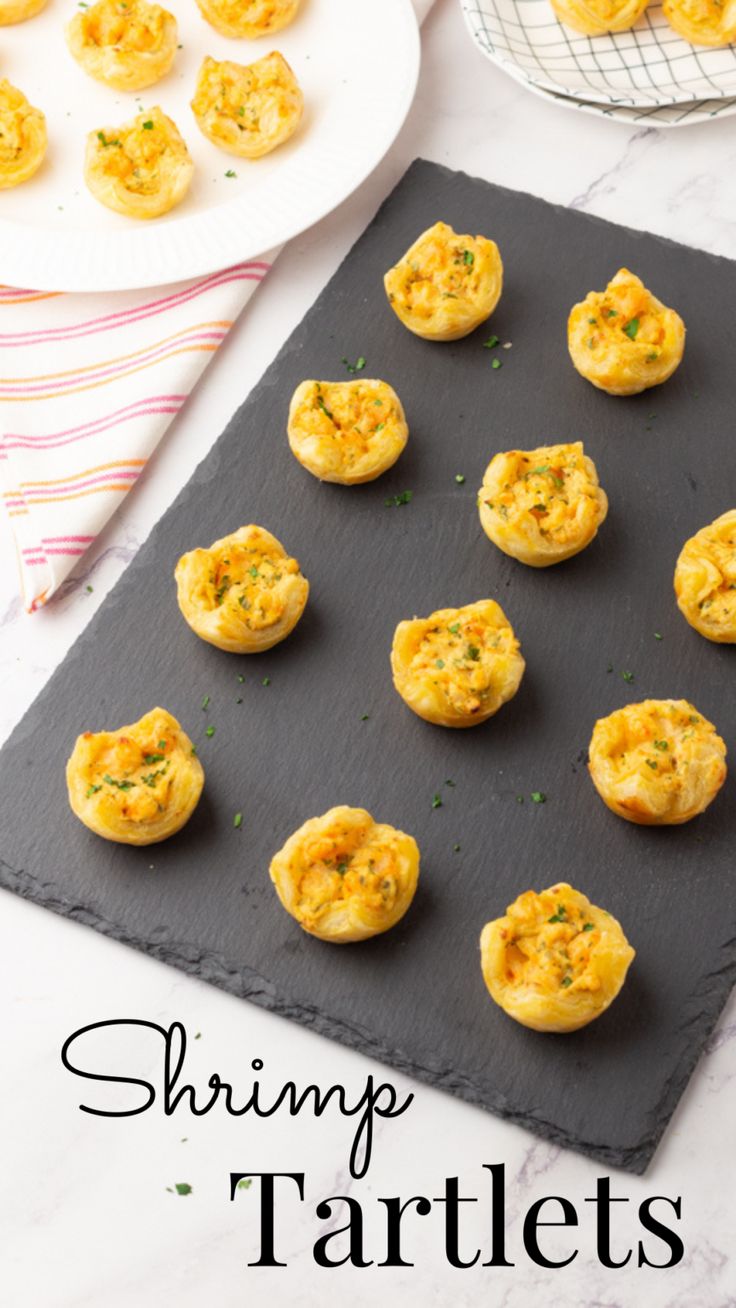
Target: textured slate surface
414,997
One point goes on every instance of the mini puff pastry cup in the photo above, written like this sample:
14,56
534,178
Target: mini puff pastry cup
457,667
248,109
23,138
142,169
249,18
658,763
17,11
705,580
542,506
623,339
702,22
344,877
128,44
555,962
445,285
137,785
595,17
347,432
244,594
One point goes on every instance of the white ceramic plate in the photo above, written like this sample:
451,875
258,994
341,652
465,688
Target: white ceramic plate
650,65
666,115
358,65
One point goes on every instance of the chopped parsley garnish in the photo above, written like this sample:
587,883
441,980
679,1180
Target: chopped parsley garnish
89,589
231,173
148,127
496,363
153,758
380,427
468,258
459,478
661,744
651,763
566,981
454,628
253,571
472,652
588,927
491,343
652,356
365,717
103,139
92,790
321,405
210,731
456,849
342,867
658,636
266,681
397,500
632,328
205,701
439,663
238,820
538,797
121,785
436,801
628,676
358,366
241,678
183,1187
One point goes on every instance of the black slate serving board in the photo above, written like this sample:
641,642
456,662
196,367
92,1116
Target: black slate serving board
414,997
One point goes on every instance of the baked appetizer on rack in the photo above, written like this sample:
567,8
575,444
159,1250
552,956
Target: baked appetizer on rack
596,17
23,138
705,580
17,11
347,432
445,285
345,877
128,44
458,666
249,18
555,962
142,169
542,506
623,339
702,22
657,763
248,109
244,594
137,785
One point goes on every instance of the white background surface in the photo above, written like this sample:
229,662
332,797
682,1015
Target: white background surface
85,1219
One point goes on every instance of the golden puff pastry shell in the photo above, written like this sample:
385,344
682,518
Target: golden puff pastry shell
248,109
702,22
623,339
542,506
657,763
23,138
137,785
249,18
595,17
344,877
705,580
128,44
457,667
244,594
17,11
445,285
142,169
346,432
555,961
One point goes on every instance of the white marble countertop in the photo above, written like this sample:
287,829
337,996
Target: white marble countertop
85,1215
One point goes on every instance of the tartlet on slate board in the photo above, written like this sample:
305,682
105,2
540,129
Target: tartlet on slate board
301,743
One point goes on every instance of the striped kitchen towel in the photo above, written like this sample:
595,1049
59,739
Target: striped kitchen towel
89,386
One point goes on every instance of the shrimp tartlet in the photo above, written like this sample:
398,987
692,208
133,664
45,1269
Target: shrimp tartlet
555,962
445,285
702,22
623,339
458,666
658,763
705,580
249,18
17,11
128,44
23,138
142,169
344,877
595,17
248,109
137,785
346,432
244,594
542,506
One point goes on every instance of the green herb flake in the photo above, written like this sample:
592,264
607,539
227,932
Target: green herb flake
210,731
253,571
566,981
238,821
205,702
89,589
472,652
651,763
92,790
632,328
661,745
454,628
588,926
436,801
628,677
245,1183
520,799
266,681
459,478
231,173
538,797
439,663
365,717
148,127
491,343
496,363
456,849
397,500
183,1187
